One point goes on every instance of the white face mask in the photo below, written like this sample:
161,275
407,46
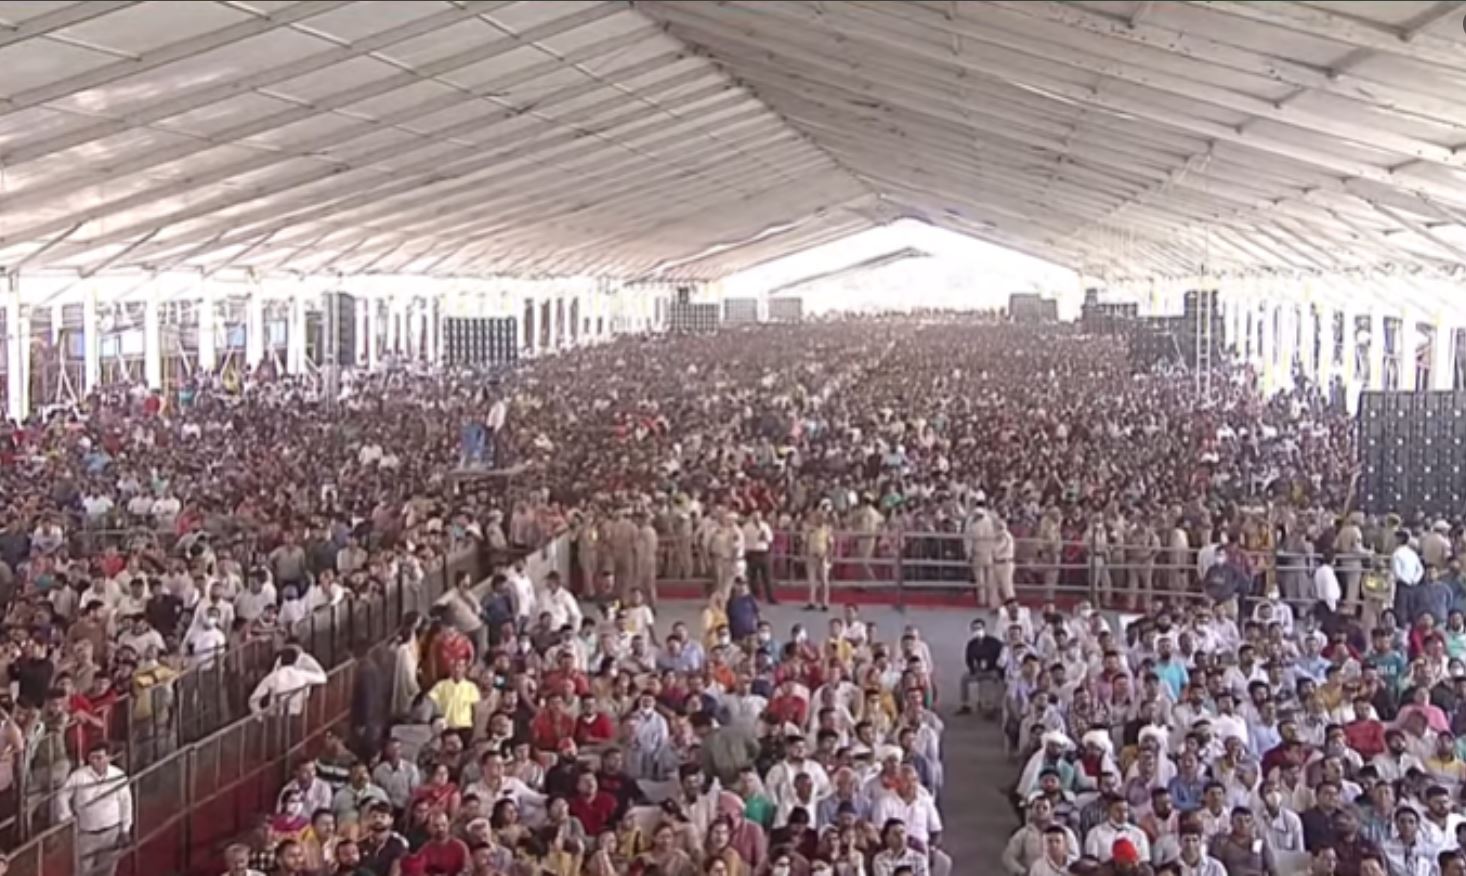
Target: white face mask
781,870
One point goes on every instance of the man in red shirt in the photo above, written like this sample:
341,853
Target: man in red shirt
92,714
443,854
592,726
552,724
565,679
595,808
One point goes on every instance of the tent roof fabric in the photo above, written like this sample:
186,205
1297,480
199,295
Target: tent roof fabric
690,140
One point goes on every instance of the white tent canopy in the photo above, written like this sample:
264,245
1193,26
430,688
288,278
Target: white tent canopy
689,140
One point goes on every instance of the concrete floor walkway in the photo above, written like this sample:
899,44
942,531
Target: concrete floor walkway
978,817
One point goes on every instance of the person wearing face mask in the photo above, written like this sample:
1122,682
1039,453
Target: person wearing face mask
982,655
206,641
647,734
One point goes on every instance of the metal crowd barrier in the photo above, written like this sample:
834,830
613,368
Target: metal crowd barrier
904,563
189,762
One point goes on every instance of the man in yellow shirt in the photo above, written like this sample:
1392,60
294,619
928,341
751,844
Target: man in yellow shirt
456,696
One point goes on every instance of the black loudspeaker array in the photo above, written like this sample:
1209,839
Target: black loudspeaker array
740,310
481,340
1412,449
685,317
786,309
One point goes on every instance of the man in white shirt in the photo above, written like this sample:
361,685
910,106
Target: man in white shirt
1100,843
521,590
140,637
1326,583
205,641
915,807
758,539
97,505
1194,860
99,797
294,674
1280,826
560,604
1405,563
251,603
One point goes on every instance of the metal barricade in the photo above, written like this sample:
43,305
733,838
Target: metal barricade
899,566
205,744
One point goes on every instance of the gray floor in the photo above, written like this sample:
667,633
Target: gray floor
975,808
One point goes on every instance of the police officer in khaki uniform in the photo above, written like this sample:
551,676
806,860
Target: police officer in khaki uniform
588,550
818,545
725,549
1141,552
1050,550
1003,561
621,536
646,560
1348,557
680,567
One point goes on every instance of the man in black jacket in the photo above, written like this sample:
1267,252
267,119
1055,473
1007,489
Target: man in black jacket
982,655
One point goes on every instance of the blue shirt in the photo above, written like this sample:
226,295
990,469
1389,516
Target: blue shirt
1187,794
1173,674
742,616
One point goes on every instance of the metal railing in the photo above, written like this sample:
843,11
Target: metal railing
160,747
903,562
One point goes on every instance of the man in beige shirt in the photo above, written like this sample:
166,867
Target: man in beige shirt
818,543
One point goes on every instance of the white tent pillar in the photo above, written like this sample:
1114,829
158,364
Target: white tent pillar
91,339
376,329
208,346
1441,366
1409,339
295,335
254,327
1376,350
152,343
17,362
521,329
363,330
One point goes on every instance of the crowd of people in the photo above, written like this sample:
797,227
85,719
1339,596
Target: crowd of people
144,546
561,727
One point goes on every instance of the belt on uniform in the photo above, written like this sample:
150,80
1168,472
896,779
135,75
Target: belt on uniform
103,830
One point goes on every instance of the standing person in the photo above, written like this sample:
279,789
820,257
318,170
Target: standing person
406,661
758,540
1348,553
1141,554
726,549
1003,565
588,550
1050,550
621,538
1408,572
982,544
817,543
465,612
1178,548
456,697
99,797
647,548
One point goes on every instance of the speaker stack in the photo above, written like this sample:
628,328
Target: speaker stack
740,311
481,340
683,316
1413,453
786,309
